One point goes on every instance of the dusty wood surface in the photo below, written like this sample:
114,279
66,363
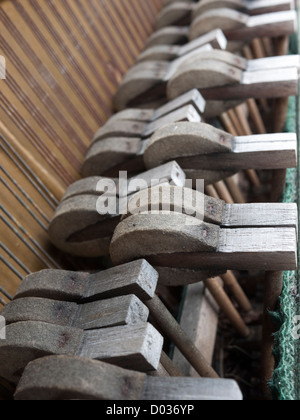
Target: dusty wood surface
179,244
79,225
215,38
75,378
123,310
137,278
239,26
137,347
202,147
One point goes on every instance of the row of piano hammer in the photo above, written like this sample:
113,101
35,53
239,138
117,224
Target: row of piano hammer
65,329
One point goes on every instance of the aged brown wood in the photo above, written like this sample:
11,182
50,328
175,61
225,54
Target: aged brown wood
136,346
100,381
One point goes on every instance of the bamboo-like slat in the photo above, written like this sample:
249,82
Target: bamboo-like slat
65,60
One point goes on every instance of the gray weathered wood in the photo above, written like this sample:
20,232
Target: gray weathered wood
106,154
171,241
73,378
138,346
193,97
174,13
168,36
219,80
123,310
252,7
190,389
137,278
215,38
123,129
79,229
169,198
174,277
199,146
238,26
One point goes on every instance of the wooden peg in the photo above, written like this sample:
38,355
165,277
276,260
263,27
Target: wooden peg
215,38
79,228
52,378
200,146
172,241
239,26
135,346
124,310
137,278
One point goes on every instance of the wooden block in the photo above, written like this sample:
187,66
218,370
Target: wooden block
77,226
251,8
149,115
78,229
215,38
174,277
239,26
137,278
73,378
171,241
137,346
123,310
168,36
189,389
107,154
202,147
173,14
167,198
219,80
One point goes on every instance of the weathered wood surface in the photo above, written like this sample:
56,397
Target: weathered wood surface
169,198
136,129
250,7
137,278
174,241
123,310
73,378
193,97
238,26
202,147
168,36
215,38
218,74
177,12
79,228
138,346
